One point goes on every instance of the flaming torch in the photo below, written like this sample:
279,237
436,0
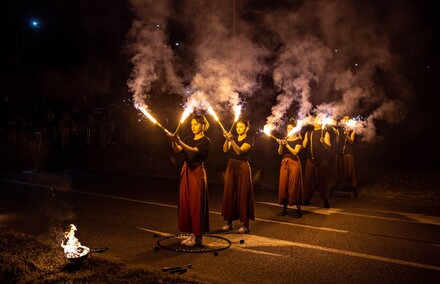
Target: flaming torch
212,112
185,114
237,111
296,128
143,109
325,121
267,132
73,250
351,123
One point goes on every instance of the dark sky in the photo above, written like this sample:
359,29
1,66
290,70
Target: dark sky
376,59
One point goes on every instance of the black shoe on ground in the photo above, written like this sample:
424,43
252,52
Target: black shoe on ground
355,192
299,214
283,213
326,204
307,202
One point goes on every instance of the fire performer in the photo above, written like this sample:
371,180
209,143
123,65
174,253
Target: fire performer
317,143
193,211
290,189
238,194
344,162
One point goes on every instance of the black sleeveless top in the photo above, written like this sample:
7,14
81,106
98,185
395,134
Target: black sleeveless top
315,150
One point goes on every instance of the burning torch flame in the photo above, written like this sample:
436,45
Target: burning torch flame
266,131
212,112
294,130
327,120
185,114
351,123
237,112
150,117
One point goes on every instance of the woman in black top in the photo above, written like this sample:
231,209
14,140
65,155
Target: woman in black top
238,194
290,191
193,211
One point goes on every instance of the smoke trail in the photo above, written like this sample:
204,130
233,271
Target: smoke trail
337,59
152,57
227,62
333,57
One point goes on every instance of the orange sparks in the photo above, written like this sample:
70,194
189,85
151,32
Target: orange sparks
150,117
212,112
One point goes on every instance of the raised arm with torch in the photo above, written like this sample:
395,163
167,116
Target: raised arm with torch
150,117
212,112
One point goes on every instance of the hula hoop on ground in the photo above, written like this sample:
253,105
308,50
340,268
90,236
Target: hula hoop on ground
211,243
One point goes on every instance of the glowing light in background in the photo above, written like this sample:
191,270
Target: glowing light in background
35,23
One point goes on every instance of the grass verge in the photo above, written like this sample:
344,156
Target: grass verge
24,259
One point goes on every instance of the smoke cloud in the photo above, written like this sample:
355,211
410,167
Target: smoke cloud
323,57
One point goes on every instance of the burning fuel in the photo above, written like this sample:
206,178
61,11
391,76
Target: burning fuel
73,250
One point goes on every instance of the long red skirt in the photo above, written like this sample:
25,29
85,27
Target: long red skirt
238,193
193,212
291,190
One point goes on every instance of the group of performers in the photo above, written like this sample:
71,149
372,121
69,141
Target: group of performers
238,195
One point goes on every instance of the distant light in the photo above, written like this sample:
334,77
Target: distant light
336,50
35,23
356,64
176,44
158,25
428,67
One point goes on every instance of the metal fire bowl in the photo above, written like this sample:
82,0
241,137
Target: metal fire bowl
77,260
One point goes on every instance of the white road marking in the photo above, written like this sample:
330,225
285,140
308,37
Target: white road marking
251,241
406,217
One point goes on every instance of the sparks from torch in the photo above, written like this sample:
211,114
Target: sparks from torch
237,111
212,112
143,109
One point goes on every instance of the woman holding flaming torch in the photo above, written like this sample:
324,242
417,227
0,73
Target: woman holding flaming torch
317,143
290,189
193,212
344,165
238,194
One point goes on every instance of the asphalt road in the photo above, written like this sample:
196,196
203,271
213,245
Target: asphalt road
356,241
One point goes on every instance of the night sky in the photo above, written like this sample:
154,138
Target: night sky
374,60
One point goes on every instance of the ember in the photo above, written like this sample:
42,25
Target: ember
73,250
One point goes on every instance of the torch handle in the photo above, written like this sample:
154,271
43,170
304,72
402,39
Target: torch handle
178,128
163,128
232,126
221,125
273,137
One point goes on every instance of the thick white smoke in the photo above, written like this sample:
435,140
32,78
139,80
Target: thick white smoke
333,57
